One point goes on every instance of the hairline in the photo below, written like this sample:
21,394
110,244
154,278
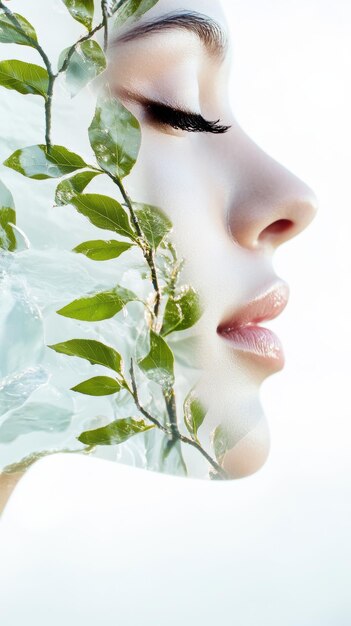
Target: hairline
206,28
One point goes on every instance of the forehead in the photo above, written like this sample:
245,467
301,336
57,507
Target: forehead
205,18
212,8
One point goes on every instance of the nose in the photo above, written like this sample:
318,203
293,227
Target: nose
269,205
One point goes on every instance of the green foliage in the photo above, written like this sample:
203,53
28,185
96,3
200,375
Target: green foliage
104,212
98,386
9,33
114,136
36,162
182,311
26,78
223,440
114,433
82,11
100,306
158,365
7,217
99,250
86,62
133,10
153,222
71,187
95,352
194,413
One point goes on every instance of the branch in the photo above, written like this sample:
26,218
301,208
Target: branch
146,250
146,414
105,16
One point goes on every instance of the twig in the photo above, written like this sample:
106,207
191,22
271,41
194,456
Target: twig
146,250
105,16
146,414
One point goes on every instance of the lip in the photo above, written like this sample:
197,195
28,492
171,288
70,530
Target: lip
243,332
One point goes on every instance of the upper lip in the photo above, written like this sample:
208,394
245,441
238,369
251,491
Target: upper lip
263,307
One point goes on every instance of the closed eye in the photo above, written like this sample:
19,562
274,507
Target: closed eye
184,120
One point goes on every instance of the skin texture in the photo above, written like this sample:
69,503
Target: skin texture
231,204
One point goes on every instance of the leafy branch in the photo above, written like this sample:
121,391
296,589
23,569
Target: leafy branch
115,138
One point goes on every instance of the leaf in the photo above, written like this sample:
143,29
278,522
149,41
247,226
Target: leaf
9,33
70,187
7,217
153,222
114,136
36,162
26,78
86,62
133,9
100,306
104,212
194,413
114,433
93,351
98,386
223,440
102,250
82,11
158,365
181,312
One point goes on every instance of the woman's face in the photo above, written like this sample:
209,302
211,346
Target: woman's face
231,206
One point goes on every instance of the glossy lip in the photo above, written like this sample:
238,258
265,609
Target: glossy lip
243,332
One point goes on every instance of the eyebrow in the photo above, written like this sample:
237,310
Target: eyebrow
210,33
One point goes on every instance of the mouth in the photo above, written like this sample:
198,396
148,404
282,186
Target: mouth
243,332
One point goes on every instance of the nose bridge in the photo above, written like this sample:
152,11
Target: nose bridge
268,204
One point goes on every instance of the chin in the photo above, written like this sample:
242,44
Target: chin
250,453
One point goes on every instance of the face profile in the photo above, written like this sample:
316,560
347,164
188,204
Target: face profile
230,203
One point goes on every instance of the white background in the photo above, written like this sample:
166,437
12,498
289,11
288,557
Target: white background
291,91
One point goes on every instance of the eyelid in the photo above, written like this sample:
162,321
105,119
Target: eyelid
173,115
184,120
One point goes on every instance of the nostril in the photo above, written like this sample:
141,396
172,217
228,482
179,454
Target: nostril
276,228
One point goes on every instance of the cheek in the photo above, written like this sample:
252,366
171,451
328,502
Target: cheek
179,176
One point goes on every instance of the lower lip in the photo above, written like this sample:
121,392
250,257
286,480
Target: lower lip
257,341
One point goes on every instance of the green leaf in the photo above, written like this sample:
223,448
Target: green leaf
114,136
93,351
102,250
100,306
104,212
98,386
133,9
7,217
36,162
26,78
82,11
182,311
223,439
194,413
114,433
86,62
153,222
71,187
9,33
158,365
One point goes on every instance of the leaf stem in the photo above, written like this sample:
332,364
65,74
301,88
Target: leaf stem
146,414
146,249
105,15
172,413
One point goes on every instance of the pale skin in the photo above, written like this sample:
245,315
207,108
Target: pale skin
231,204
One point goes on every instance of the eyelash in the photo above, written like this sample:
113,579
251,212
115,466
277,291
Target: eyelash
190,122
